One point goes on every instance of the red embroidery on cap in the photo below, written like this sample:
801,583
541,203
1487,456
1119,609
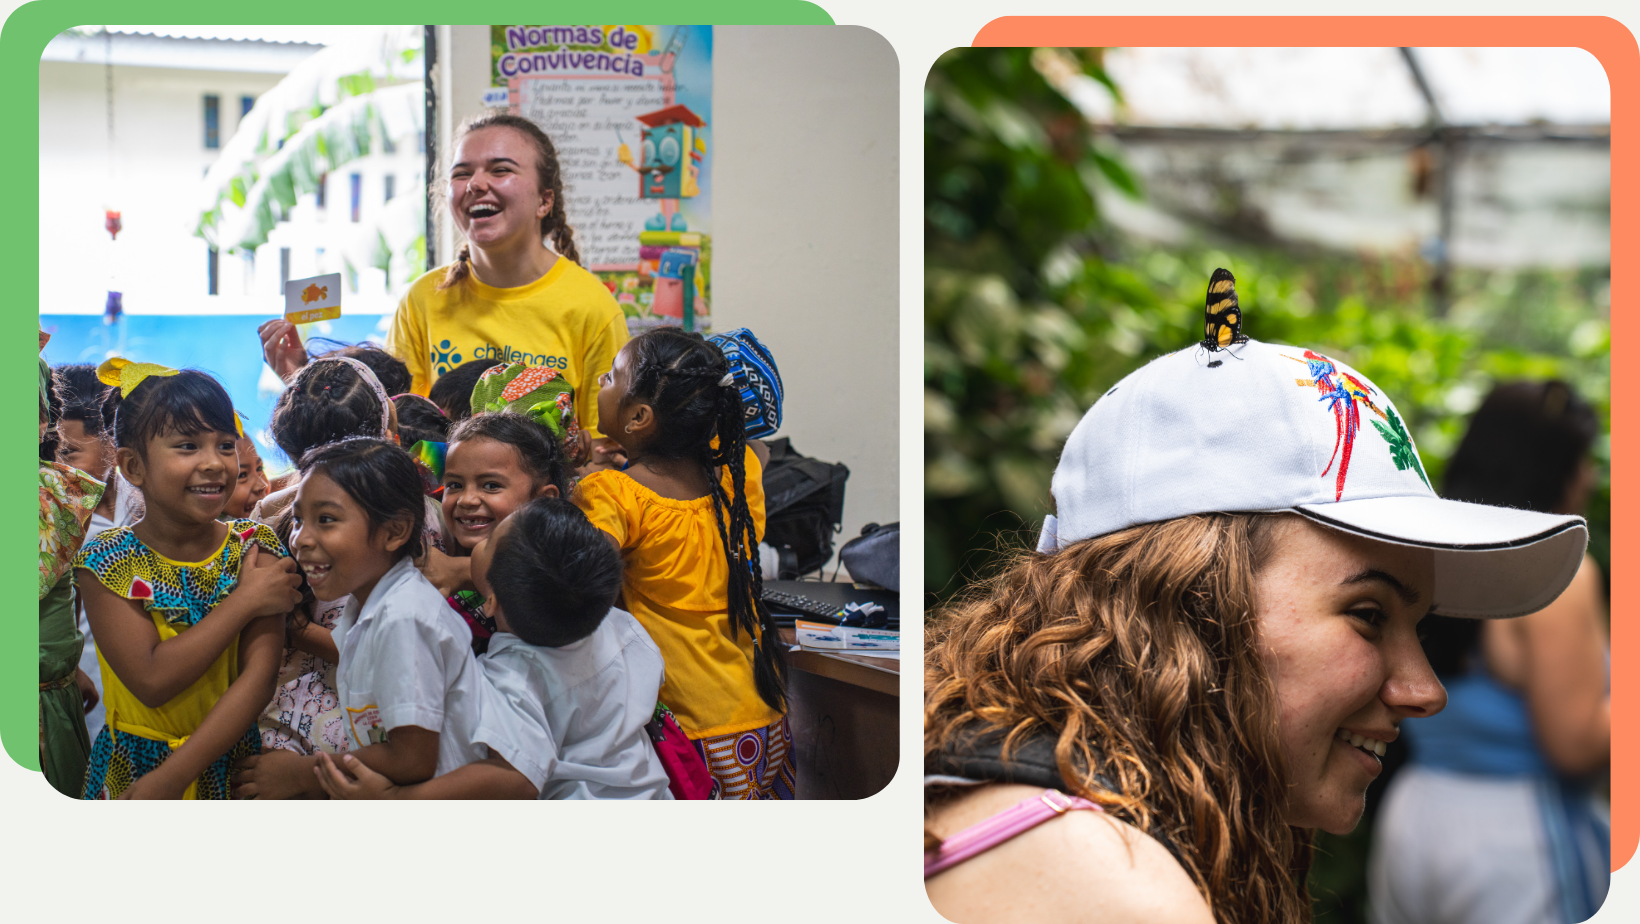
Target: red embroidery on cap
1340,391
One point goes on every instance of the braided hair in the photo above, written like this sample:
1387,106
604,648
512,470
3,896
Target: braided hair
330,402
555,224
678,375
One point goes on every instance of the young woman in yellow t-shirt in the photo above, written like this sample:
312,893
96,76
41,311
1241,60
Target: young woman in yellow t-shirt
507,297
686,513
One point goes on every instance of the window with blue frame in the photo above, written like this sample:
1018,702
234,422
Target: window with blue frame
213,121
355,184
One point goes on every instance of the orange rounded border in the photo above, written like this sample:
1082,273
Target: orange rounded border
1611,44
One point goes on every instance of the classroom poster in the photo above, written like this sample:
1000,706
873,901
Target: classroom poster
629,109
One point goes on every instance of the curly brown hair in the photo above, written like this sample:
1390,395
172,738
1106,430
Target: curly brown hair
556,224
1138,652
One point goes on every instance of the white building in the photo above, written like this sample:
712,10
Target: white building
131,122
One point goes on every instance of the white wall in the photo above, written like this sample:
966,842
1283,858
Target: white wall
805,228
806,237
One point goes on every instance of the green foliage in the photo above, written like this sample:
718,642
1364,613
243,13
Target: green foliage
415,258
1034,307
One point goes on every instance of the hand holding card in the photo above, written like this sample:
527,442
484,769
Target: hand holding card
316,298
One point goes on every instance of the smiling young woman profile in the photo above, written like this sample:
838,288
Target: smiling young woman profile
507,297
1146,719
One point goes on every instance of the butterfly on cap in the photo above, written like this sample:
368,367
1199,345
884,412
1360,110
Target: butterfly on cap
1223,327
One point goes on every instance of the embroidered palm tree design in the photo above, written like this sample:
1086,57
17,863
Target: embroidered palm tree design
1400,446
1340,391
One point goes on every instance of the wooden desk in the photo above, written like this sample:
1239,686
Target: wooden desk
845,717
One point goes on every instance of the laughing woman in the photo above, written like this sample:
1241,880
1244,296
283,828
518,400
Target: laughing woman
1146,719
507,296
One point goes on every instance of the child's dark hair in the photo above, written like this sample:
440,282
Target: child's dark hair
188,402
329,401
677,374
85,398
380,478
453,391
50,413
420,419
554,573
539,452
390,370
555,224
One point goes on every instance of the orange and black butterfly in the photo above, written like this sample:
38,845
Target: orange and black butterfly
1223,312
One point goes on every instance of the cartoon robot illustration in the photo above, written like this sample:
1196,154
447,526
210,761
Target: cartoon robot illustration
673,150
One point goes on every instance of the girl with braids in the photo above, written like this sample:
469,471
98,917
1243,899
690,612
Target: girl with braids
1210,650
686,513
507,296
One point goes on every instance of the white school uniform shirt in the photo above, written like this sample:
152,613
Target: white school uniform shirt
572,718
407,659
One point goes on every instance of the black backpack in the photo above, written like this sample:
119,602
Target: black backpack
803,499
874,555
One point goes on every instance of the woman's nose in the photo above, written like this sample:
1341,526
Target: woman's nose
1412,689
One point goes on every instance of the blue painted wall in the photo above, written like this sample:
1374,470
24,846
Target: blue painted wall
226,346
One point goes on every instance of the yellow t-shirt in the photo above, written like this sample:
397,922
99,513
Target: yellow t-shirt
677,585
566,320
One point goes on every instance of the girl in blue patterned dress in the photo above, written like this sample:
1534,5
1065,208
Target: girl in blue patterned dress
187,610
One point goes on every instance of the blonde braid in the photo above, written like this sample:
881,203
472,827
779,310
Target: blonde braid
459,270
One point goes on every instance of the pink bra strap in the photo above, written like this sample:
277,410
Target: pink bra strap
1008,823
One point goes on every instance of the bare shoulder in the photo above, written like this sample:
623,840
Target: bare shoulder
1080,866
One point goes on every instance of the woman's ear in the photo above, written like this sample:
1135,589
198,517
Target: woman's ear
130,463
546,205
547,490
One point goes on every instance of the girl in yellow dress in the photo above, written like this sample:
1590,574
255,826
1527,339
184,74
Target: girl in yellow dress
187,610
686,513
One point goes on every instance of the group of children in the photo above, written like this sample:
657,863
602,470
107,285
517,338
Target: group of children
464,597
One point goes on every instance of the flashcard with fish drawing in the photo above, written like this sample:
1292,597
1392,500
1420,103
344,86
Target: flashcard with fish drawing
316,298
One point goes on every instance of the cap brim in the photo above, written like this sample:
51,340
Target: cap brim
1490,562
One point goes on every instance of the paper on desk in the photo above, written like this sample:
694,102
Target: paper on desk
889,654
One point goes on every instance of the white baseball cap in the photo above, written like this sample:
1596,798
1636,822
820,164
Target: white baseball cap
1258,427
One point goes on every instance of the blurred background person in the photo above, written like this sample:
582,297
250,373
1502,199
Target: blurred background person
1496,817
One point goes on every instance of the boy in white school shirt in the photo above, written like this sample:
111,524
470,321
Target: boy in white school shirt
570,681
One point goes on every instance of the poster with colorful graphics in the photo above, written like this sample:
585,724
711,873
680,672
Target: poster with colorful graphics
629,109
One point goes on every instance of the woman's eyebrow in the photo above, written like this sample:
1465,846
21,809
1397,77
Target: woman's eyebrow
1409,595
489,163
